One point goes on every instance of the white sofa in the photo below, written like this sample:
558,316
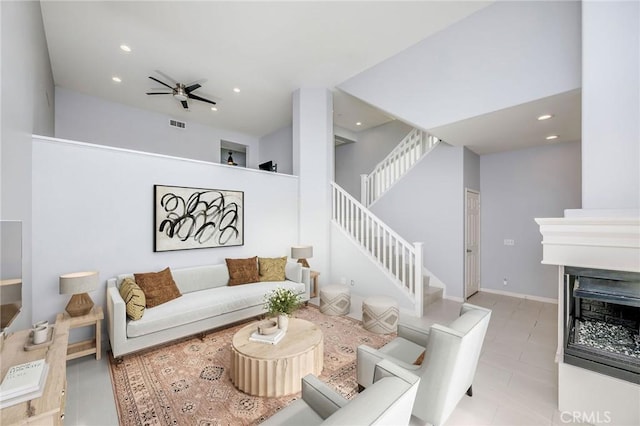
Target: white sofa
207,302
387,401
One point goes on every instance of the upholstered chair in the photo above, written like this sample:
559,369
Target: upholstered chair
451,356
387,401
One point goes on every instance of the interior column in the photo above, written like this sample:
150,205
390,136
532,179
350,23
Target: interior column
313,162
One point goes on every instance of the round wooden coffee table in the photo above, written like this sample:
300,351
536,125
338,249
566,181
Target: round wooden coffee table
262,369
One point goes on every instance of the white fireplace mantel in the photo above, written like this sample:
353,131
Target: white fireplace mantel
600,240
592,242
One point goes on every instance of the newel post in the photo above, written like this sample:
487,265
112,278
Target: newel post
418,288
364,190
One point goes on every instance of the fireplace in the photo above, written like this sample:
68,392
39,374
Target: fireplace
598,258
602,321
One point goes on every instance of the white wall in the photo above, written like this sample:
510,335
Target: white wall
516,187
611,105
91,119
506,54
471,172
354,159
427,206
277,147
93,209
26,107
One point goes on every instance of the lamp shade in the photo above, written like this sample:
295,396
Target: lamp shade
301,252
78,282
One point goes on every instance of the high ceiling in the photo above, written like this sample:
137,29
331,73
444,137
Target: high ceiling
518,127
266,49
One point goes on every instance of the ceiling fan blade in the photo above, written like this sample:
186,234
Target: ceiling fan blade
192,88
185,105
158,81
198,98
173,80
158,93
201,81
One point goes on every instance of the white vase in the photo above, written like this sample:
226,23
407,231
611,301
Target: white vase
283,322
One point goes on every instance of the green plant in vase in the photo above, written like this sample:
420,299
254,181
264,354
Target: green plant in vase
282,302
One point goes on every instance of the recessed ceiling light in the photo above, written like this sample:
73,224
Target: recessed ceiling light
214,108
358,124
552,137
237,90
125,48
116,79
545,117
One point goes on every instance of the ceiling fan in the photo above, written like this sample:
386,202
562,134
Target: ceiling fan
180,91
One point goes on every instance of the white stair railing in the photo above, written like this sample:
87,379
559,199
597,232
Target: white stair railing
387,172
400,260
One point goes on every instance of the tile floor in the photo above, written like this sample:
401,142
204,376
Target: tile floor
516,380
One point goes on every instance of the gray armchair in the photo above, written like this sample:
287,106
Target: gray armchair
450,361
387,401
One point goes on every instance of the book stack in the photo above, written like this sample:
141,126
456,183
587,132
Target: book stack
23,382
267,338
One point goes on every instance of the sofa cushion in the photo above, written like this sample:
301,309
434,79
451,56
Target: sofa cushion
158,287
133,297
272,268
198,278
204,304
243,271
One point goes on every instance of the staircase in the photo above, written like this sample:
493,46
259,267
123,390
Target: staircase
396,164
399,260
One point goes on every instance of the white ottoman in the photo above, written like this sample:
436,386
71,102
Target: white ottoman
380,314
335,299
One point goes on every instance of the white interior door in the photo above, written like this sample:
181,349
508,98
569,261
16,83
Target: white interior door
472,243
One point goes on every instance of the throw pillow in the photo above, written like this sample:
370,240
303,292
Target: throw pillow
158,287
272,269
134,298
243,271
420,358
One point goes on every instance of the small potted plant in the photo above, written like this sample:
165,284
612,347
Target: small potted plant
282,302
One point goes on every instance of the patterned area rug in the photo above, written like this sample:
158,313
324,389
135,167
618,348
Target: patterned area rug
187,382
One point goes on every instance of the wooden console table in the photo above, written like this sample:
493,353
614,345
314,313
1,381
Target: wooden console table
49,408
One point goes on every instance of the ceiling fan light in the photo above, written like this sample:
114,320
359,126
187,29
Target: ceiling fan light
179,93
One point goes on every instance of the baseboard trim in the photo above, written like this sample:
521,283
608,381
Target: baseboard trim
520,296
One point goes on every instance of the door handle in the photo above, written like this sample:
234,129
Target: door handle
468,251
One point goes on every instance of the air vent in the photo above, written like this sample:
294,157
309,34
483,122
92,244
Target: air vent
178,124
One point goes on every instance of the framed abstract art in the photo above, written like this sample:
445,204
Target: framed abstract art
190,218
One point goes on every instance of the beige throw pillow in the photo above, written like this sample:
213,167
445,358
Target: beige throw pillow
134,298
272,269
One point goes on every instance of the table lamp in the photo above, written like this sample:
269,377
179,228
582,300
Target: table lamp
302,253
78,284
